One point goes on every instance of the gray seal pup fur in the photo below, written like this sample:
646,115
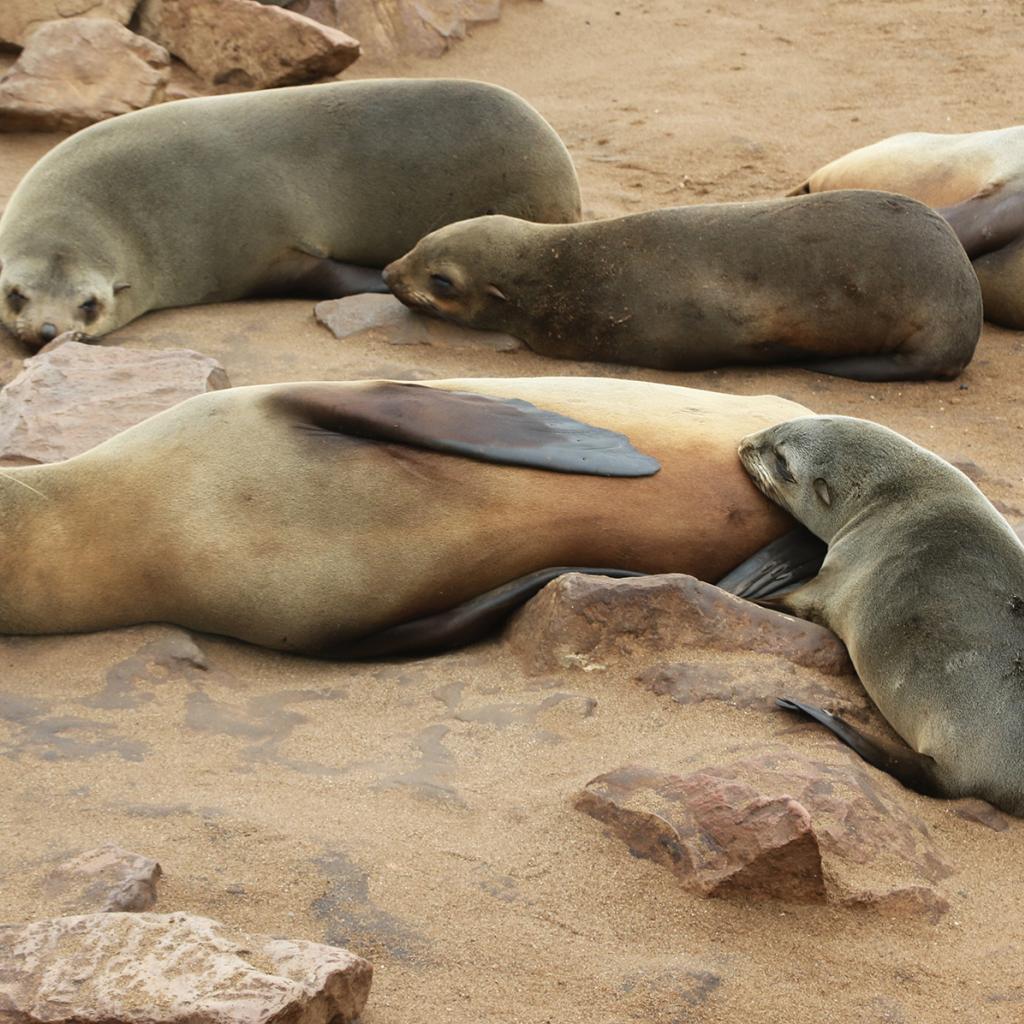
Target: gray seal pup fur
300,191
974,179
857,284
923,581
379,517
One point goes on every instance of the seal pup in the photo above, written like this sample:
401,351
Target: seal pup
316,517
975,180
857,284
923,581
307,190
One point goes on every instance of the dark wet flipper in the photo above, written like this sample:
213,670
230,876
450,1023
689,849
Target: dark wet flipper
987,221
915,771
467,622
779,567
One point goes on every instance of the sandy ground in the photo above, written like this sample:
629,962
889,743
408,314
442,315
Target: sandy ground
420,812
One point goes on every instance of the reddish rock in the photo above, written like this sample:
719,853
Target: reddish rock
77,71
20,18
776,825
390,28
106,879
70,398
172,969
246,44
383,318
592,622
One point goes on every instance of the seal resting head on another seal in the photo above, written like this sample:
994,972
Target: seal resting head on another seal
859,284
924,583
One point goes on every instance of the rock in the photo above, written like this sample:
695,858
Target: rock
77,71
776,825
246,44
20,18
70,398
390,28
106,879
172,969
591,622
383,318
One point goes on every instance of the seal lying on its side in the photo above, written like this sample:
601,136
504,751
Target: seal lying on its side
975,180
300,191
376,517
924,583
858,284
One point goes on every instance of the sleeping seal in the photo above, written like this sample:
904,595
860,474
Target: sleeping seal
301,191
924,582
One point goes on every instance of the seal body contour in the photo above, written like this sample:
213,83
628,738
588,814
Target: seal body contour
249,512
858,284
303,190
976,180
924,583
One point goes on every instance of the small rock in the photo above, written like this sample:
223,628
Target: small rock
77,71
246,44
591,622
775,825
383,318
106,879
20,18
172,969
69,399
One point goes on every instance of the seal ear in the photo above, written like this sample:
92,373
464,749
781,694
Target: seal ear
503,430
821,489
493,289
121,287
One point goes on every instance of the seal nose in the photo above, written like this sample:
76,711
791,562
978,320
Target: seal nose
48,332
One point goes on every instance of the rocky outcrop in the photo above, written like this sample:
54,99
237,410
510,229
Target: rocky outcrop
246,44
70,398
76,71
107,879
172,969
20,18
776,825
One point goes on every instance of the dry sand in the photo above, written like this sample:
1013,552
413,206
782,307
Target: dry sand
420,812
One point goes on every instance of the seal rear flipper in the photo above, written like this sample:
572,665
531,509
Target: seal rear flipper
777,568
466,622
502,430
992,218
915,771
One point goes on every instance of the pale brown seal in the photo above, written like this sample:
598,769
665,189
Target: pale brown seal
315,517
924,583
975,180
303,191
858,284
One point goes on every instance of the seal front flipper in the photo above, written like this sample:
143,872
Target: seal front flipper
310,273
466,622
778,567
915,771
503,430
992,218
879,367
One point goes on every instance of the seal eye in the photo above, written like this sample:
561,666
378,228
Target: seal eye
90,308
16,300
441,285
783,467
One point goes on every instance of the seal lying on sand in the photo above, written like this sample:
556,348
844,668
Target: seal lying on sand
318,517
924,583
976,180
299,191
858,284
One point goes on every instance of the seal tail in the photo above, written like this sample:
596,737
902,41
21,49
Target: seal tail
466,622
779,567
801,190
915,771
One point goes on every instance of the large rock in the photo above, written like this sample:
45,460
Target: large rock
592,622
107,879
172,969
246,44
75,72
382,318
776,825
70,398
20,18
389,28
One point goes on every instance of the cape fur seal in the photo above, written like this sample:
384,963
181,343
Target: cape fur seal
299,191
857,284
315,517
975,180
924,582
